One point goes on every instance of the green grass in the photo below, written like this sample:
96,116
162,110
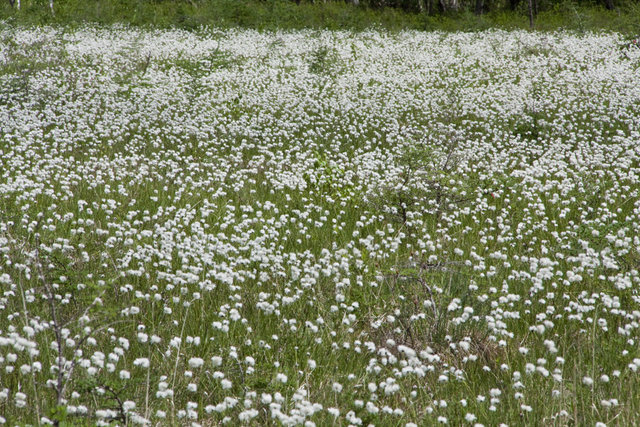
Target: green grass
285,14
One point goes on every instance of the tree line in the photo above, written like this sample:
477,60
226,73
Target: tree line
426,7
477,6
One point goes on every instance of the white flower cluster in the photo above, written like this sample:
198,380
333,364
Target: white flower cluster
309,227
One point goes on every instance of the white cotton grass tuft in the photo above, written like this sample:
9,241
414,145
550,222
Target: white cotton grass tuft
235,226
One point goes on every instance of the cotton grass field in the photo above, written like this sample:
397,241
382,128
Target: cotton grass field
318,228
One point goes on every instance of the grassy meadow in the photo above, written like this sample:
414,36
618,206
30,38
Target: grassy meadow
318,227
